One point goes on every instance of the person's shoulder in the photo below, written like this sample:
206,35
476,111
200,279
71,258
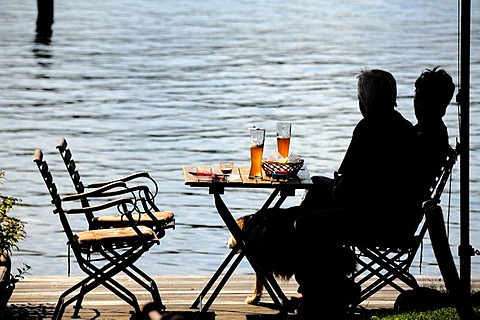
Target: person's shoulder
362,125
402,124
399,117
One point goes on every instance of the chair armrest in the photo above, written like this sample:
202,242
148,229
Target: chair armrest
100,192
127,178
119,191
134,176
139,193
143,195
121,202
101,206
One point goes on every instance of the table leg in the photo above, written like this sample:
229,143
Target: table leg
268,280
214,278
222,283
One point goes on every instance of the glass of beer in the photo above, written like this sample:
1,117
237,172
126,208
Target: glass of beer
284,133
257,140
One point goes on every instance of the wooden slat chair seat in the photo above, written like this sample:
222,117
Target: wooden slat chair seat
119,248
382,264
113,235
149,214
162,219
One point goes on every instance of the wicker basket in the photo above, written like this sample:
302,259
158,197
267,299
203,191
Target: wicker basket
291,167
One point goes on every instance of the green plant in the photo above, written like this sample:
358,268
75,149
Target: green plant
21,273
12,230
439,314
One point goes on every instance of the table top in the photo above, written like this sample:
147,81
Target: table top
239,179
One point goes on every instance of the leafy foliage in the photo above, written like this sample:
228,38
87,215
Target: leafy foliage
439,314
21,273
12,229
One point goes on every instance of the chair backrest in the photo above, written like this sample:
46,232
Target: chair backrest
434,195
146,197
74,175
435,190
70,164
52,189
80,187
386,262
438,185
121,204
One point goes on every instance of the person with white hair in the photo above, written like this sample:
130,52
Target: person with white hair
376,194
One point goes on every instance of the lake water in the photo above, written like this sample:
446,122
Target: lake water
155,85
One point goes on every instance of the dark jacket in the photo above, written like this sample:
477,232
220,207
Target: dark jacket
434,148
380,171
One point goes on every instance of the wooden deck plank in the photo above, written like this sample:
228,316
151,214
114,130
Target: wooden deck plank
40,293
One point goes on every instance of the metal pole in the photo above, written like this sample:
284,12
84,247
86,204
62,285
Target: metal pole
463,98
44,19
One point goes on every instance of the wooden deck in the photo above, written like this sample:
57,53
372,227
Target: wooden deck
38,295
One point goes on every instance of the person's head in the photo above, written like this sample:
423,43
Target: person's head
433,92
377,91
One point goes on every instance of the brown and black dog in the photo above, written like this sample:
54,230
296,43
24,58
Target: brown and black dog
271,246
270,237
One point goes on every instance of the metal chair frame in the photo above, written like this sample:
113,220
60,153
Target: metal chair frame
120,247
385,264
150,214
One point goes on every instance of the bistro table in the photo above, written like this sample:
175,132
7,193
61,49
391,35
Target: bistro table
239,179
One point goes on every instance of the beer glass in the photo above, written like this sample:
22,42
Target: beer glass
284,132
257,140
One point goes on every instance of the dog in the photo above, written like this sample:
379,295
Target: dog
270,239
271,243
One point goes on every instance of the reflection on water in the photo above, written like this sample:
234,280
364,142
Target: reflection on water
180,82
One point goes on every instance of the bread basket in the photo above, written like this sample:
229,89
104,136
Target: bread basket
291,168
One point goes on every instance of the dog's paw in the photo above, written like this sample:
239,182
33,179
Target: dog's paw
231,243
253,300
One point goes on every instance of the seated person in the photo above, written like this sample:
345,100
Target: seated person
376,195
433,92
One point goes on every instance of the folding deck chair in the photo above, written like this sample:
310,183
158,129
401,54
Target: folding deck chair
385,263
119,248
150,214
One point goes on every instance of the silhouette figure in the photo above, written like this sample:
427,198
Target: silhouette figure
375,194
433,92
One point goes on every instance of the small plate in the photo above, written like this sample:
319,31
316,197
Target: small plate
202,173
207,175
204,178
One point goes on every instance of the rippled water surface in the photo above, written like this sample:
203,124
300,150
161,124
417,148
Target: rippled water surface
155,85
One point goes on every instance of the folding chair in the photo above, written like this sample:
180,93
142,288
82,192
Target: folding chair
119,248
385,263
150,216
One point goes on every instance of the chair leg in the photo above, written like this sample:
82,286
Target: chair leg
104,276
101,276
59,308
386,268
86,285
135,273
78,305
